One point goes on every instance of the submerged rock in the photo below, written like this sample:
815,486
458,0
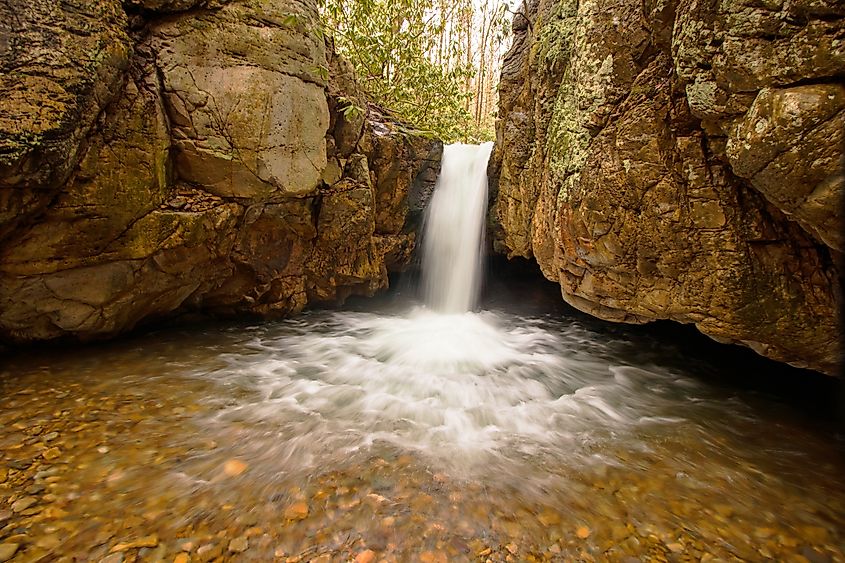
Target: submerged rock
184,169
681,161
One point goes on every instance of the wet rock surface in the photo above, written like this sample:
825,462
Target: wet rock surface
681,161
158,460
218,175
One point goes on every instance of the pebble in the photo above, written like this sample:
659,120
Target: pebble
24,503
52,454
549,518
234,467
239,545
433,557
361,511
8,550
18,538
146,541
366,556
48,542
296,511
209,551
186,544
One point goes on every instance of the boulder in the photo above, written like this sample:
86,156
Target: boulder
191,173
61,64
680,161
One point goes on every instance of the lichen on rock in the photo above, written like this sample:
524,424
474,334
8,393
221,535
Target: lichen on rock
680,161
193,172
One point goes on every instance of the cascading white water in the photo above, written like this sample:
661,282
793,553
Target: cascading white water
471,389
454,229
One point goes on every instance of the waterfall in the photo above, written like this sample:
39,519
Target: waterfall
454,229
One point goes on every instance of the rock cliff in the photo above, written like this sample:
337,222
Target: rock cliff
168,155
681,160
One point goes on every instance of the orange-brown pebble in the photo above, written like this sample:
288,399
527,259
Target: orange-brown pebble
582,532
296,511
234,467
366,556
433,557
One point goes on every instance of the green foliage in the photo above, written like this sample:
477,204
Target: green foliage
389,43
349,108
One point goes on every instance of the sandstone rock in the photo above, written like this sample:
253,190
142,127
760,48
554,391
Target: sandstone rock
238,545
173,5
789,145
659,162
8,550
146,541
60,65
205,184
406,167
234,467
22,504
296,511
249,119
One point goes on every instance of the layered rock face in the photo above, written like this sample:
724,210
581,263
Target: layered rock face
682,161
154,159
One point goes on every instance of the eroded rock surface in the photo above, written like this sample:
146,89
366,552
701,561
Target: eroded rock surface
213,178
60,65
681,161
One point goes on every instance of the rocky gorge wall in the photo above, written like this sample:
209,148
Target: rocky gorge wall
171,155
681,160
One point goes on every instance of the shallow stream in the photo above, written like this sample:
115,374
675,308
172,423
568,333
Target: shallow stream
506,434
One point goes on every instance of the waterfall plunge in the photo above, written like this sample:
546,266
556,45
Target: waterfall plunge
473,390
454,229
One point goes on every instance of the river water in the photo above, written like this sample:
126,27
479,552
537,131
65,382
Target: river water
322,436
400,431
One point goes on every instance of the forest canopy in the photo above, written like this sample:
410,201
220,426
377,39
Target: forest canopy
434,63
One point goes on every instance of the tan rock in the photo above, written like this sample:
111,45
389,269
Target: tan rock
240,111
238,545
8,550
234,467
366,556
789,144
51,100
146,541
24,503
251,125
697,184
296,511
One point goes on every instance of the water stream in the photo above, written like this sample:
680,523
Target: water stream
420,431
454,229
